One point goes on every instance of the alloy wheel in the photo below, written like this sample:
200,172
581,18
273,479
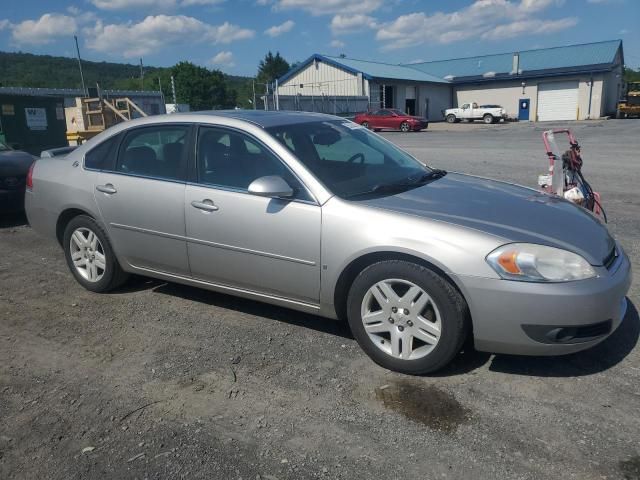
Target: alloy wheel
401,319
87,254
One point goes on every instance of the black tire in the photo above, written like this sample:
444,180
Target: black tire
452,307
488,118
113,276
405,127
451,118
365,124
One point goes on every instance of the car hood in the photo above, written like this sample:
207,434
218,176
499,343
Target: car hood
515,213
15,162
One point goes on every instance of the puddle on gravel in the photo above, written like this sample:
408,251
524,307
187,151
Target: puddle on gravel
631,468
425,404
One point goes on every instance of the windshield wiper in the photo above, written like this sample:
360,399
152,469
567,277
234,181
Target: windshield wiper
410,182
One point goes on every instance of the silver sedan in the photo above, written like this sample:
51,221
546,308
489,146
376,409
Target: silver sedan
318,214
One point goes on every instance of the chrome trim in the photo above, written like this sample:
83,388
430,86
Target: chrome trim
227,288
213,244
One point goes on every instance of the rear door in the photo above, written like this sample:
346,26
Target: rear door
237,239
141,198
379,118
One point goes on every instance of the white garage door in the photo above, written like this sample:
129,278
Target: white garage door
558,101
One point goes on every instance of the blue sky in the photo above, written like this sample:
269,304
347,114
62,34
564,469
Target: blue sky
233,35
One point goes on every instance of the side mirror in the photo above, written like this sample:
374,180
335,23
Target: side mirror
271,186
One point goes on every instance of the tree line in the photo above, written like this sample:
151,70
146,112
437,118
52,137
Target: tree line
200,87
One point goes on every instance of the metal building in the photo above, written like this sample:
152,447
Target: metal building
344,86
573,82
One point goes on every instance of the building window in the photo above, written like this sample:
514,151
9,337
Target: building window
387,97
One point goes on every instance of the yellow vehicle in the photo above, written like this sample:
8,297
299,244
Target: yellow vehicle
629,105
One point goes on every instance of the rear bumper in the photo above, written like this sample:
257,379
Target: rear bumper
41,219
524,318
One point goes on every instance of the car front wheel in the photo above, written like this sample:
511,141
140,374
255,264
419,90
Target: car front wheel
90,257
405,127
451,118
406,317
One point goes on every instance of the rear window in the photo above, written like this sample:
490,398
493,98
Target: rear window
101,156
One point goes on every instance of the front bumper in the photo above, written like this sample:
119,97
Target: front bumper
524,318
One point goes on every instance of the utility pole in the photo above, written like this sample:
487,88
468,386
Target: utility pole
141,75
173,92
84,89
162,95
253,84
266,96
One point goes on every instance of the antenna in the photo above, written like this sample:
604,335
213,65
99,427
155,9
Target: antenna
84,89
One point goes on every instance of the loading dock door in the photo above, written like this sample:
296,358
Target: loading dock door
558,101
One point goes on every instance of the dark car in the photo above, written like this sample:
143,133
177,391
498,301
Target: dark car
390,119
14,165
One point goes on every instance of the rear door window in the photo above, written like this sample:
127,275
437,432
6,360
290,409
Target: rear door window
156,152
101,157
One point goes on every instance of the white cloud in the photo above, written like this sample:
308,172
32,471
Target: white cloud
487,19
223,59
156,4
528,27
154,32
46,29
329,7
337,44
189,3
345,24
278,30
131,4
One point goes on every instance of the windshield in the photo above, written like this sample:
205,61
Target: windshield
349,159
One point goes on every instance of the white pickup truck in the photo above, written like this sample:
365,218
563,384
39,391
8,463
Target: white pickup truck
471,111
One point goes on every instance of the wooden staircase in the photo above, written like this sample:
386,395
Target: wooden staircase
98,114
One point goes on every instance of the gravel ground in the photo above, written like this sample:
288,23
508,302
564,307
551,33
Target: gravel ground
165,381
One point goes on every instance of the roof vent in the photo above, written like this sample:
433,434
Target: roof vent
449,77
489,74
515,67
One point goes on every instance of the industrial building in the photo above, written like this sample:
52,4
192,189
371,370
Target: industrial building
33,119
574,82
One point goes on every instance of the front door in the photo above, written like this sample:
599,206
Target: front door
141,198
264,245
523,110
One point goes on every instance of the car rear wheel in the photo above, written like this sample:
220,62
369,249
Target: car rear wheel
488,118
406,317
90,257
451,118
405,127
365,124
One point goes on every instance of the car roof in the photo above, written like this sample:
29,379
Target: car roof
266,118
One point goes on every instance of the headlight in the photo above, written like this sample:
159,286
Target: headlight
528,262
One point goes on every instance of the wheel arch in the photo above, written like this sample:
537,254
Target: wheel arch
357,265
65,217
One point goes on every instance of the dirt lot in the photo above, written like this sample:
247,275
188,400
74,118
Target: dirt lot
165,381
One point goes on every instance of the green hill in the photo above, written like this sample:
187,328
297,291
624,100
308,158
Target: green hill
45,71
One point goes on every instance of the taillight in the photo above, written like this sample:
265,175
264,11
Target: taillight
30,176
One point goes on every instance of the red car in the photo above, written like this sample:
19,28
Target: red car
390,119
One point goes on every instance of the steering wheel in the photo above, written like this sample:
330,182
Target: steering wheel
355,157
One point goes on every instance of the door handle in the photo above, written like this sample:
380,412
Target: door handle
108,189
206,205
